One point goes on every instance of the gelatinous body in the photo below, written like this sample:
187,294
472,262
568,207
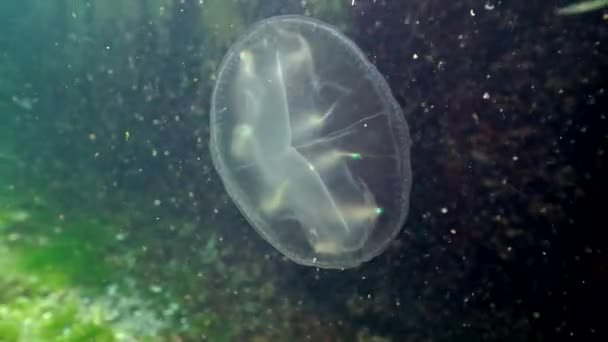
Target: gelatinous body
310,143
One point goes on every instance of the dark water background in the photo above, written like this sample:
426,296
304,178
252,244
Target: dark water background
109,200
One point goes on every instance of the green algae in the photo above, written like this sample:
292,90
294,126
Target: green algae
57,254
31,312
62,252
55,278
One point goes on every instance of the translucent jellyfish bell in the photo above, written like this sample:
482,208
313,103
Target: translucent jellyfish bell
310,143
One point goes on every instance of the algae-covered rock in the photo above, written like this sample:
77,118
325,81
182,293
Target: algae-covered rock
59,316
32,312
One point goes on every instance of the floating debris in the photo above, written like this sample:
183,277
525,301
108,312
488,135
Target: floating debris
24,102
582,7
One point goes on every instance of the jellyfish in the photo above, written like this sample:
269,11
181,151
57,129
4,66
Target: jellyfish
310,143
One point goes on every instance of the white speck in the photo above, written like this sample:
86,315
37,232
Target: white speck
444,210
515,158
156,202
24,102
112,289
352,3
155,288
488,6
472,12
215,211
415,56
19,216
486,96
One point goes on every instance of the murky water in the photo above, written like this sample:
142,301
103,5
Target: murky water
115,226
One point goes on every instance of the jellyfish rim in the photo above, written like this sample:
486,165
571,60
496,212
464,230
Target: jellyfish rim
401,130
